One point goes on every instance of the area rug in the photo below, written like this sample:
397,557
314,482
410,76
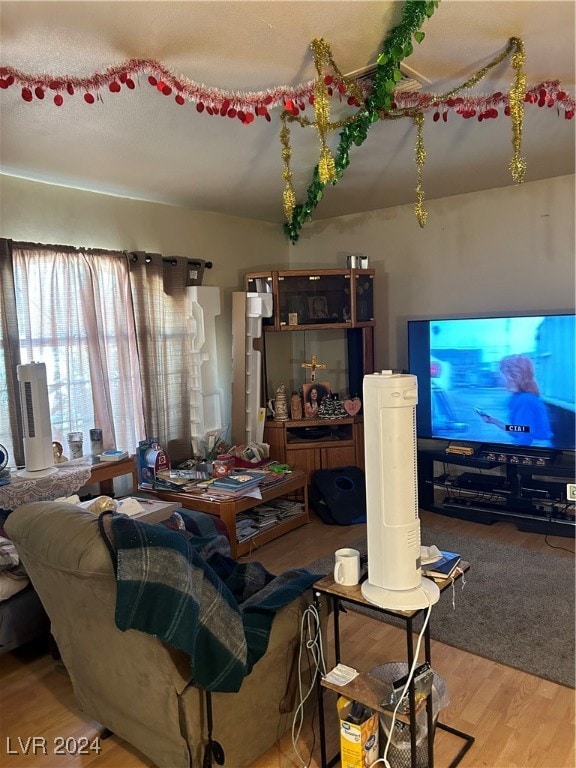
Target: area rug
516,608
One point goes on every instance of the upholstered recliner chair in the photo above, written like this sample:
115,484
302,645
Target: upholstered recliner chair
135,685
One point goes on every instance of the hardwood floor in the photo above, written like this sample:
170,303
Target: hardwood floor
518,720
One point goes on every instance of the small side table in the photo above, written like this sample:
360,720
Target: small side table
370,691
104,472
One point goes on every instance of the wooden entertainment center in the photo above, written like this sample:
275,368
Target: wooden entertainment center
328,314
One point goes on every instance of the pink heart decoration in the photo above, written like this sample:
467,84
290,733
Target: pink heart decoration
352,406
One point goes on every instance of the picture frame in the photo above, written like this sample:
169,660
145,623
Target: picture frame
311,401
318,308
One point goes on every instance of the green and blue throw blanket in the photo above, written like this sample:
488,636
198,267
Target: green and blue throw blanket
184,588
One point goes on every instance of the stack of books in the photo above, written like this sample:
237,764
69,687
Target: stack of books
443,567
236,483
255,520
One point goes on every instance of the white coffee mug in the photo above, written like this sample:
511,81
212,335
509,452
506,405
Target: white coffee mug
347,567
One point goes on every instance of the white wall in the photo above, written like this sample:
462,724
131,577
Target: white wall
504,249
508,249
44,213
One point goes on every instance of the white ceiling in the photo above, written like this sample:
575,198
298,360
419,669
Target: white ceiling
141,144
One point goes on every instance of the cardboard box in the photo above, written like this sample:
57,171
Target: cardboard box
358,741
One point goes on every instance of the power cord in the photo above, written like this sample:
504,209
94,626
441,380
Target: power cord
458,571
311,642
384,758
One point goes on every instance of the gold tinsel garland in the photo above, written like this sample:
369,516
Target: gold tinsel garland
420,152
518,163
326,166
289,198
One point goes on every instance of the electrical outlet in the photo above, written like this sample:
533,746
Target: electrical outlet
571,491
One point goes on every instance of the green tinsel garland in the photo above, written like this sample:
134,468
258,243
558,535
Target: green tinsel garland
396,47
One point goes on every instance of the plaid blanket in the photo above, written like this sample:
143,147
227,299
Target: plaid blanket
184,588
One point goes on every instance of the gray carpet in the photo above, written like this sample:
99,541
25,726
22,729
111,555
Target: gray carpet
517,607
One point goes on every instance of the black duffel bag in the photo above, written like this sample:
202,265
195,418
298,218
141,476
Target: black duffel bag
338,495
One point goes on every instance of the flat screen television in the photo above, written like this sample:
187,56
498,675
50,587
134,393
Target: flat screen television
497,381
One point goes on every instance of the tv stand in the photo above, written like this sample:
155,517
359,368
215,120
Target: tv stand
527,488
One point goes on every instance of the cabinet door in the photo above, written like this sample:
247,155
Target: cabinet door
338,457
306,459
363,298
314,300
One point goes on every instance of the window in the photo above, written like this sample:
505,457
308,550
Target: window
74,313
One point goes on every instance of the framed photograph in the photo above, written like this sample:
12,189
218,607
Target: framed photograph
313,394
317,307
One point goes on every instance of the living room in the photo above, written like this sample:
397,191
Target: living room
500,248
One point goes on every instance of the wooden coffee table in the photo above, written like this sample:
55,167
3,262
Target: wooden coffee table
293,483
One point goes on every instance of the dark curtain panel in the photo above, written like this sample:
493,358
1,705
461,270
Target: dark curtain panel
9,340
160,311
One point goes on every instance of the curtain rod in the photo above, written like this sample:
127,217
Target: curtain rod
66,248
173,261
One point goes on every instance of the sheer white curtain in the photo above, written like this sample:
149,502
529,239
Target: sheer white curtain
75,314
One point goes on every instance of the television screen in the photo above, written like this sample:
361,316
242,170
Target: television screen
498,380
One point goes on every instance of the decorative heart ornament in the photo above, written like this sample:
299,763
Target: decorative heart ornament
352,406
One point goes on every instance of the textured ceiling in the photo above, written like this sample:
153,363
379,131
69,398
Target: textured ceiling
141,144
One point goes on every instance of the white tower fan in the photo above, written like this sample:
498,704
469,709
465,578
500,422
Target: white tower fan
37,429
393,526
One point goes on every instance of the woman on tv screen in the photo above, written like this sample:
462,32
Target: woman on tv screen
528,420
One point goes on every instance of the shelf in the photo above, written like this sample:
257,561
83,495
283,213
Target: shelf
532,496
269,534
334,433
525,521
364,688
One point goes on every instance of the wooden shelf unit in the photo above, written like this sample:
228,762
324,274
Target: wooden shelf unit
348,298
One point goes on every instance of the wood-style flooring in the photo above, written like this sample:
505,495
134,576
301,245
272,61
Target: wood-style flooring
518,720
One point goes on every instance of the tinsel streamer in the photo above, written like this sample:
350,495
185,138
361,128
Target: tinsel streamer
402,106
114,78
288,196
481,73
396,47
326,168
420,154
518,163
548,93
321,52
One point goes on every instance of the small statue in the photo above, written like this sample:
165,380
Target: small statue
281,404
58,452
295,406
